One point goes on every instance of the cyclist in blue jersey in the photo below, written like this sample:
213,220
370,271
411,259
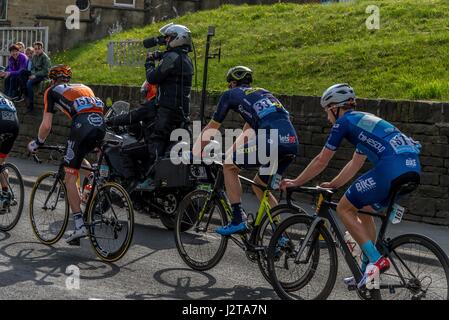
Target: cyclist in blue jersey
9,130
393,155
262,112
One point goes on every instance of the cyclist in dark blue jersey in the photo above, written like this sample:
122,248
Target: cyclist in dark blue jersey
392,153
263,113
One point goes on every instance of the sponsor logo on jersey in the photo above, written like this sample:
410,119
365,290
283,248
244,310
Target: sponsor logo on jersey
365,185
371,142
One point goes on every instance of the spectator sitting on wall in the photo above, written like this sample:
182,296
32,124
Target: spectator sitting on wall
16,63
21,46
25,74
40,67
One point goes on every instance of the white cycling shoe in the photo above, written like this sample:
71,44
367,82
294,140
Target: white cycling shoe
76,235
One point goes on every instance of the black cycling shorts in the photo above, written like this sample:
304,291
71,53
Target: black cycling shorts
9,130
86,134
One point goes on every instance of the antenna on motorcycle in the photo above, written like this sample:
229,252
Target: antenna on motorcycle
210,35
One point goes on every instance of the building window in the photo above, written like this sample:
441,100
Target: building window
125,3
83,5
3,9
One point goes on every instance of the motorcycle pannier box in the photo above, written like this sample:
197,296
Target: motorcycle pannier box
169,175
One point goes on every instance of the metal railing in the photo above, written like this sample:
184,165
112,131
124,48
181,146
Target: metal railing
126,53
27,35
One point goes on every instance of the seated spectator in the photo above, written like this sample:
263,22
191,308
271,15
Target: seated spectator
25,74
16,63
40,67
21,46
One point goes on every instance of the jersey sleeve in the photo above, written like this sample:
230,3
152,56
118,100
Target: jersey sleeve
336,136
224,105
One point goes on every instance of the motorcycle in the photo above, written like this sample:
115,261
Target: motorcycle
159,191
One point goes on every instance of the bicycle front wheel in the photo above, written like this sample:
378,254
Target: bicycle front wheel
419,270
311,275
111,222
10,216
49,208
197,219
267,229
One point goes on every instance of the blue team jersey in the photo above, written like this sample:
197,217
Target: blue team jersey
372,136
6,105
257,106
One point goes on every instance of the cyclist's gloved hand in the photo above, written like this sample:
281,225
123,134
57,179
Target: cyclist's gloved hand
34,145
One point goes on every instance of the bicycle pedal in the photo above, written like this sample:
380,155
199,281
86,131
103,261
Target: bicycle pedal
352,288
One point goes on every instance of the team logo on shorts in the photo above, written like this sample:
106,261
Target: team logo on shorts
70,155
287,139
365,185
95,120
411,163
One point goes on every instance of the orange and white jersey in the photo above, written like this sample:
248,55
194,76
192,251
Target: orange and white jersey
72,99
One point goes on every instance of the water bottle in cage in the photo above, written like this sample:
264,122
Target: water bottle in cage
353,247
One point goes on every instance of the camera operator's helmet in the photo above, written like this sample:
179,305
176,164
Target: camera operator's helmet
339,95
60,71
240,74
179,35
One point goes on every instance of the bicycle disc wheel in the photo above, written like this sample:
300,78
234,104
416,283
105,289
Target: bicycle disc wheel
49,208
419,270
314,275
11,215
111,222
199,246
267,229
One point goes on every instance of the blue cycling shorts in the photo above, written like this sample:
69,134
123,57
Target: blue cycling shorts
252,156
373,188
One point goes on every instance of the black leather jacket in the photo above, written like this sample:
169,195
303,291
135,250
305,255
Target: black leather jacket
173,76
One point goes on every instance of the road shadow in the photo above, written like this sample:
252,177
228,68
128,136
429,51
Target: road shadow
30,261
4,236
189,284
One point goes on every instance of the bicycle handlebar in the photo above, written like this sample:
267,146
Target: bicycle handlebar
59,149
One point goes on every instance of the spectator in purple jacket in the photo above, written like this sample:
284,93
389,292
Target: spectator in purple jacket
17,62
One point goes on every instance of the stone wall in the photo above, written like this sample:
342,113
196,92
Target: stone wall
427,122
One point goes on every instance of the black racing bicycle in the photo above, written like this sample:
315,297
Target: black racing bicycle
302,255
204,210
11,204
109,215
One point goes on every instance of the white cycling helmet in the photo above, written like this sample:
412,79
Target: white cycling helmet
179,35
338,95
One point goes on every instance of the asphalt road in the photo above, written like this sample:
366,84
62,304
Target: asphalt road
152,268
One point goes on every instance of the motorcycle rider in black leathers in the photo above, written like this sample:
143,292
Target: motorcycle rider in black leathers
167,104
173,76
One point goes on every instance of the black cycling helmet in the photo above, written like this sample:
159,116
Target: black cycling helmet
241,74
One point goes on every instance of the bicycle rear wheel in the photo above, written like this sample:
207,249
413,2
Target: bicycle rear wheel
11,215
314,275
199,246
49,208
111,222
419,270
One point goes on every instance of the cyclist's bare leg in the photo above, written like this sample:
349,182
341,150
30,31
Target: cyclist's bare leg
259,193
73,192
349,216
3,176
368,223
232,183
